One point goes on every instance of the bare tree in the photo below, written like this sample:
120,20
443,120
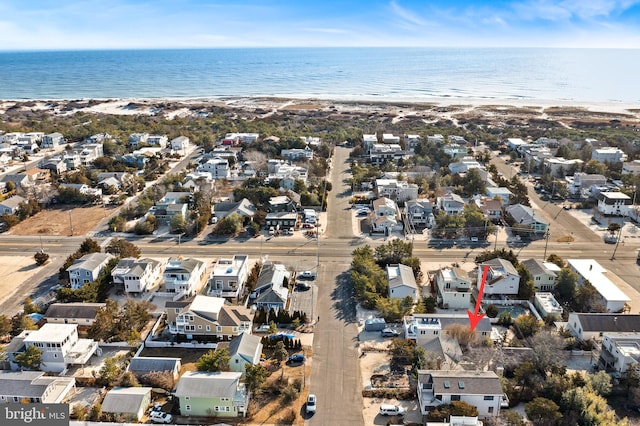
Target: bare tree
259,159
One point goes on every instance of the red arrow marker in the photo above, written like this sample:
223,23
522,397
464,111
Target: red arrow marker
474,317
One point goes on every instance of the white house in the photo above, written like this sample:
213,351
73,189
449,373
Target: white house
425,328
455,150
559,166
586,326
581,182
612,298
451,204
419,212
608,154
385,216
87,268
614,203
228,276
464,165
181,143
158,140
136,139
525,216
128,402
504,193
183,275
396,190
402,282
620,352
631,167
502,278
10,205
411,141
390,138
136,275
454,288
546,304
52,140
60,346
35,387
482,389
218,167
297,154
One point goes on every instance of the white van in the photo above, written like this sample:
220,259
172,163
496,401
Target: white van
391,410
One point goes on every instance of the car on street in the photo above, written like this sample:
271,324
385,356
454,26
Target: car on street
391,410
311,404
389,332
160,417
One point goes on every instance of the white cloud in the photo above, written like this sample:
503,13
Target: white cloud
407,17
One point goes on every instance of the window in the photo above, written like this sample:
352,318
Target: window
490,410
187,407
186,398
208,328
199,327
455,397
488,397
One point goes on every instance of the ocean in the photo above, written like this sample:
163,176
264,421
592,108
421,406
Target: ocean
392,74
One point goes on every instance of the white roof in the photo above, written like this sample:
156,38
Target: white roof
615,195
591,270
52,333
207,305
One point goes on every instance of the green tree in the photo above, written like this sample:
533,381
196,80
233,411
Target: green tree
30,358
5,325
492,311
41,257
543,412
21,322
110,372
526,289
178,224
228,226
528,325
565,288
586,299
393,252
280,352
595,167
117,224
122,248
600,383
456,408
29,307
214,360
557,260
255,376
89,246
613,228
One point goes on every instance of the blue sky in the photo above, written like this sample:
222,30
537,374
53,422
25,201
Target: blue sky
103,24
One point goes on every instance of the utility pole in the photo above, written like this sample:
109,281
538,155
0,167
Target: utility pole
613,256
546,244
70,224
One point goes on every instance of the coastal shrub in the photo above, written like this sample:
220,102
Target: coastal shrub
492,311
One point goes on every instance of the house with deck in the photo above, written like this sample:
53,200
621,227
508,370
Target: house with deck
208,394
454,288
183,276
87,269
228,277
18,387
401,282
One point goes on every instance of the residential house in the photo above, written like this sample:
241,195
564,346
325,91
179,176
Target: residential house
136,139
396,190
424,328
297,154
464,165
401,282
451,204
288,174
455,151
158,140
385,216
526,220
80,313
457,421
481,389
33,386
369,141
503,193
310,140
631,167
614,203
218,167
60,346
515,143
419,212
281,203
390,138
136,275
411,142
491,208
502,278
609,155
437,139
611,297
559,166
183,276
457,140
244,349
228,277
20,180
247,138
454,288
619,352
207,318
141,365
99,138
90,152
544,279
587,326
244,208
118,180
383,153
52,140
581,182
82,188
87,268
128,402
547,305
181,143
206,394
281,221
72,160
54,164
271,290
172,204
10,205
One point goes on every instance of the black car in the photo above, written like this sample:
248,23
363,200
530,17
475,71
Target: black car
300,286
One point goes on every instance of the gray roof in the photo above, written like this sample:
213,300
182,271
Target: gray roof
74,310
90,261
609,322
20,383
524,215
202,384
145,364
460,382
247,346
404,277
233,315
15,178
498,263
125,400
271,273
13,202
186,265
536,267
243,207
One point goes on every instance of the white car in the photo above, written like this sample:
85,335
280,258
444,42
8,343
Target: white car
160,417
307,275
311,404
391,410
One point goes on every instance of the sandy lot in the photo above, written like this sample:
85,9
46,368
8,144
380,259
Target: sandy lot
60,220
15,270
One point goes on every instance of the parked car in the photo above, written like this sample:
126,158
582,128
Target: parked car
302,286
296,359
264,328
160,417
311,404
389,332
391,410
308,275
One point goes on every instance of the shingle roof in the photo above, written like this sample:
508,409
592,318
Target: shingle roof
536,267
13,202
19,383
498,263
125,400
246,346
524,215
462,382
200,384
401,275
144,364
233,315
74,310
90,261
609,322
